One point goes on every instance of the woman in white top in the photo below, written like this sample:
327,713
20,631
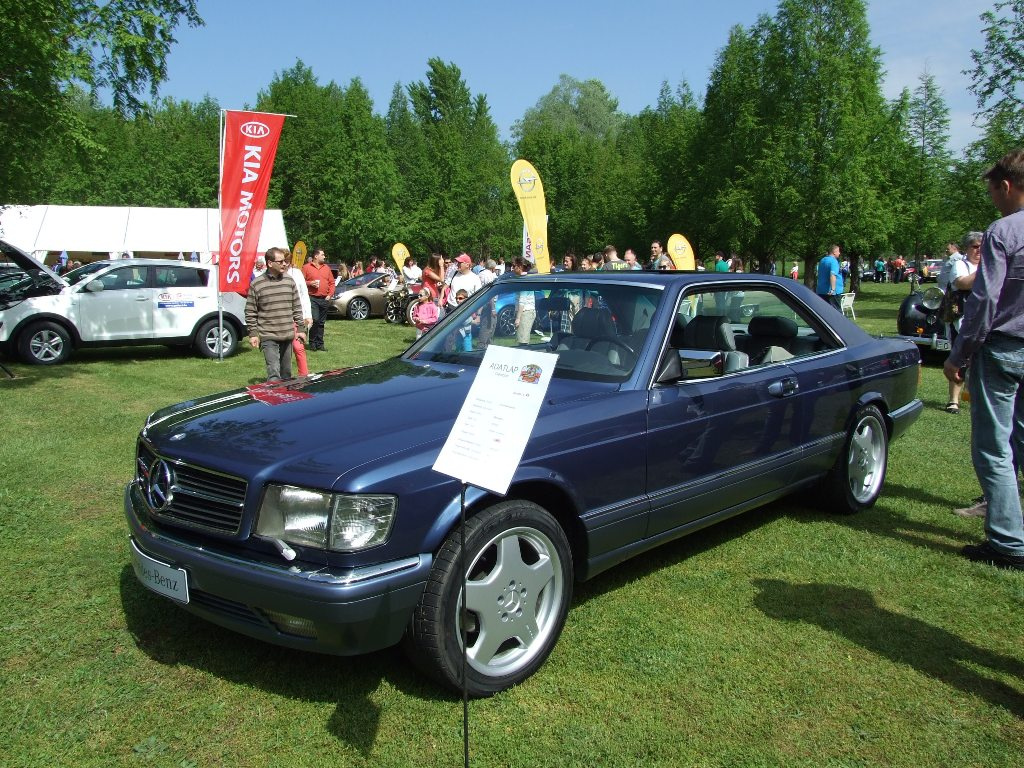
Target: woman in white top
411,271
961,279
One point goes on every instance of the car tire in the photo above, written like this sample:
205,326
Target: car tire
394,312
856,480
520,586
44,343
410,308
358,309
206,339
506,325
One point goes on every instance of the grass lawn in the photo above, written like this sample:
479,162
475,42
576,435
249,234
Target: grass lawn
785,637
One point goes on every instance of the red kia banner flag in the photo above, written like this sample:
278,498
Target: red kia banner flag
247,159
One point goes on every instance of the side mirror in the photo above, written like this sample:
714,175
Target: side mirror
94,286
669,369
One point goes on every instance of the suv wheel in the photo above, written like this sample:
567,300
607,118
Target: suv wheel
44,343
207,339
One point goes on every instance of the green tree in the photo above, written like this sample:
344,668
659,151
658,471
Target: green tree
809,170
997,79
461,201
927,173
570,136
56,46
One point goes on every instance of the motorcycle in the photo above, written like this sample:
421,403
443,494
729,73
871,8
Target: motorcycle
400,301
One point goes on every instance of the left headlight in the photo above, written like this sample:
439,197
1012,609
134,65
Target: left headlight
334,521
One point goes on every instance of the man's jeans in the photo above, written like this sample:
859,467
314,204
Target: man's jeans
997,436
278,355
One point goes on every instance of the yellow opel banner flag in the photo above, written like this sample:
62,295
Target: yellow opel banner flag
299,255
399,253
530,194
681,253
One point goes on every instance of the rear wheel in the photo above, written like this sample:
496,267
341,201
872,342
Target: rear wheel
394,311
855,482
211,339
520,575
44,343
358,308
410,307
506,325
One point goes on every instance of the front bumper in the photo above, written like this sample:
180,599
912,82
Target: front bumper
936,342
346,611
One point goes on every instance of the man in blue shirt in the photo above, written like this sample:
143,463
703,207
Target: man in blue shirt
991,341
830,278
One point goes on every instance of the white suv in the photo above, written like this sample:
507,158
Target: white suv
109,303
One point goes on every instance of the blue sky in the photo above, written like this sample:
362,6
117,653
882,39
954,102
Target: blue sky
514,52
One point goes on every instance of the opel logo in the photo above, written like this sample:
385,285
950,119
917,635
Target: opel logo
527,181
159,488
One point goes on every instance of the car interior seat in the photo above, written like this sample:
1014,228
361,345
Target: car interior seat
710,332
770,339
593,330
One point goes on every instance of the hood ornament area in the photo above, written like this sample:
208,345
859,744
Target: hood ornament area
159,486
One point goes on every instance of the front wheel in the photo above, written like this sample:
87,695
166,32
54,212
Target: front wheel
855,482
44,343
519,577
212,341
358,308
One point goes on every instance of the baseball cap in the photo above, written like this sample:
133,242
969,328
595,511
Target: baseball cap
463,258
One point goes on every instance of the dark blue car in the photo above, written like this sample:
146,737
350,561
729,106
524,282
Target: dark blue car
307,513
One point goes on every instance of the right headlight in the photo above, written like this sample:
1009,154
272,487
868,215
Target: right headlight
339,522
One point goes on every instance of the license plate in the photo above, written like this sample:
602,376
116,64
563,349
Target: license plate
160,577
942,345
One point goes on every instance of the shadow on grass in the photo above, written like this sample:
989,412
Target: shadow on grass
172,636
881,522
672,552
854,614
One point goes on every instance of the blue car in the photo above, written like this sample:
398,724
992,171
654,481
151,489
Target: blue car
307,514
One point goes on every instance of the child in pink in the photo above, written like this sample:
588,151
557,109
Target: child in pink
426,312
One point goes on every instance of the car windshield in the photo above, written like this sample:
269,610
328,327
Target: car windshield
355,282
78,274
596,327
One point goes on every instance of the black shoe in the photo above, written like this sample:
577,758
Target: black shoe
322,348
985,553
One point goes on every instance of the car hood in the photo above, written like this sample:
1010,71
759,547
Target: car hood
320,430
44,280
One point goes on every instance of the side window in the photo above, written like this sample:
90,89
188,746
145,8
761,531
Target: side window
717,332
180,277
127,278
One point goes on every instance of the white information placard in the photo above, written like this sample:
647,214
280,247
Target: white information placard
490,434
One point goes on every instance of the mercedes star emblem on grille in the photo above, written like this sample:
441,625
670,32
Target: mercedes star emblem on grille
160,485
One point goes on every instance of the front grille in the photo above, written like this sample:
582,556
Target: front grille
199,498
227,608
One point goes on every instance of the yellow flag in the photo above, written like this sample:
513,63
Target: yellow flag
399,253
299,255
681,253
529,191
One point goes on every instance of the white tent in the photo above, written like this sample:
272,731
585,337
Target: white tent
157,232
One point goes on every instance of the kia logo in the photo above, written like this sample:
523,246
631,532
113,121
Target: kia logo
254,129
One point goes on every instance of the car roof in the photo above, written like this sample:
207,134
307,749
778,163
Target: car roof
150,262
665,278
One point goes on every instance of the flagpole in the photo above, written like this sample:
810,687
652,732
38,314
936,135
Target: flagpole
220,238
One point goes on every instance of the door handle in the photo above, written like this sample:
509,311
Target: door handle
783,387
142,298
